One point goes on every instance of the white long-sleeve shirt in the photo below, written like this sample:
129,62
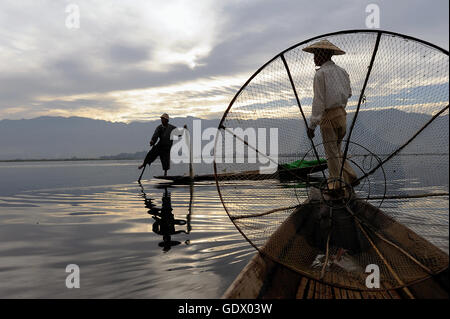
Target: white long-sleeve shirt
331,89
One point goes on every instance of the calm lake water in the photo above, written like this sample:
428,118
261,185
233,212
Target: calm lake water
95,215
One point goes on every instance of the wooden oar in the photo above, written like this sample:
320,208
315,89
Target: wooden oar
143,169
191,157
142,173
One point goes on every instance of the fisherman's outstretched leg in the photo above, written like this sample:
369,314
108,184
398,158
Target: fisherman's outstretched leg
149,158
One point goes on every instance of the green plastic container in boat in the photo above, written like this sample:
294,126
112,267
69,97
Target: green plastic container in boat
303,163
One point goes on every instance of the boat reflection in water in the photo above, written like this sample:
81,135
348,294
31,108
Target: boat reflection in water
164,220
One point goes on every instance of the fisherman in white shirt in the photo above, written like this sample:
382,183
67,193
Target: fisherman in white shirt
331,93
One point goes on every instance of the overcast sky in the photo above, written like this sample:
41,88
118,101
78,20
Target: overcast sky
133,60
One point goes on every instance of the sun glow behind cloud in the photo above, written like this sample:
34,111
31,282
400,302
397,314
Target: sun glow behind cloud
181,31
116,42
204,98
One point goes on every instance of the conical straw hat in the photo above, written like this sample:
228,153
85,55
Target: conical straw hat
324,45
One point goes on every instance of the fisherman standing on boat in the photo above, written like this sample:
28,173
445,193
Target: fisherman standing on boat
331,93
162,148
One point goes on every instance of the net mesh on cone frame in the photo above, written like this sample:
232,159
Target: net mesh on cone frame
397,142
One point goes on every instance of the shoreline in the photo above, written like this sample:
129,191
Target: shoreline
67,160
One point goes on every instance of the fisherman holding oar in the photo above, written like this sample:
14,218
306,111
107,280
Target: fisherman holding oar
331,93
162,133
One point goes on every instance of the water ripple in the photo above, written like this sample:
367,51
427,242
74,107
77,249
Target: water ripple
123,242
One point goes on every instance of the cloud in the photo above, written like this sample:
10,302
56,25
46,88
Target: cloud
154,46
201,98
121,53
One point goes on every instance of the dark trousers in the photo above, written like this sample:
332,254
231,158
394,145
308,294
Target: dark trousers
163,153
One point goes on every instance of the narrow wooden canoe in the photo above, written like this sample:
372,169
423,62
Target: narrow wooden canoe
280,174
264,278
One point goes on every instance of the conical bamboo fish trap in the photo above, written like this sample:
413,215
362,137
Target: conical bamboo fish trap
397,142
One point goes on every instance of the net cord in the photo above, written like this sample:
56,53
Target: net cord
378,252
268,157
404,145
300,107
360,222
372,60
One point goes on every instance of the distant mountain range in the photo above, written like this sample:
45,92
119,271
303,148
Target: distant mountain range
75,137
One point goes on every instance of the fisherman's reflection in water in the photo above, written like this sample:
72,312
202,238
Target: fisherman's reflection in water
165,222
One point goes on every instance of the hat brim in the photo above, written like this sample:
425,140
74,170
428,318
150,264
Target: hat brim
333,51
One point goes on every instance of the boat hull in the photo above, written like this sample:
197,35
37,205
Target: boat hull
266,277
